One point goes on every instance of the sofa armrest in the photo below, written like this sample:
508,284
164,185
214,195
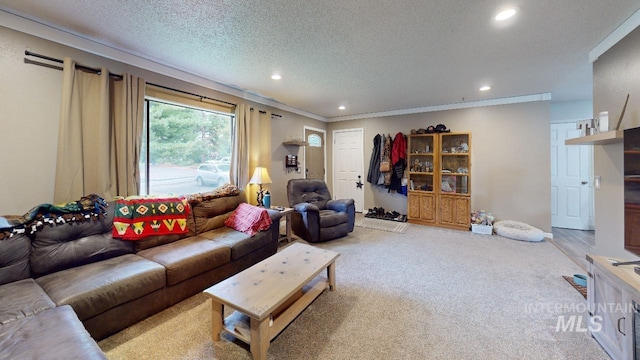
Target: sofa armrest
340,205
344,205
274,215
305,207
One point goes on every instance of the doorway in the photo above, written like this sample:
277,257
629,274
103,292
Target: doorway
315,163
348,165
571,180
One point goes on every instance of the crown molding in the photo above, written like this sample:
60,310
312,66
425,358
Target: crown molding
48,32
616,35
464,105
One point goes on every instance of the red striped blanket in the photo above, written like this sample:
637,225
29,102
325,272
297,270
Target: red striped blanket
249,219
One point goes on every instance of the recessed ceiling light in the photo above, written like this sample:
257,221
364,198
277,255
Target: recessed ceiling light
276,77
505,14
485,88
341,107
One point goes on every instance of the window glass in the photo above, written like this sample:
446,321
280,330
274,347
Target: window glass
314,140
182,148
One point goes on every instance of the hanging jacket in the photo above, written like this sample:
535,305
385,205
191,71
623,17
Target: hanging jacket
374,164
399,150
398,161
382,141
396,178
388,144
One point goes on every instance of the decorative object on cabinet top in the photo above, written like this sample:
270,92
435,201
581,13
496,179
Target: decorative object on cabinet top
440,128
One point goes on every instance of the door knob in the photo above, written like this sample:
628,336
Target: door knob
584,183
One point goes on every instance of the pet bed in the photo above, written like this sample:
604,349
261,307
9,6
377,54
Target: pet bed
518,230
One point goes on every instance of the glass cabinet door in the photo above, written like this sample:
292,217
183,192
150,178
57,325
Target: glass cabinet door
420,161
454,164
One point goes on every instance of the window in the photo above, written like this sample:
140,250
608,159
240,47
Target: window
314,140
185,149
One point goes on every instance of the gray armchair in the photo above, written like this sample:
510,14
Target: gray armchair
317,218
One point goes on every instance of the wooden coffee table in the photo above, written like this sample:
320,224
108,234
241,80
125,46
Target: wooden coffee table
270,294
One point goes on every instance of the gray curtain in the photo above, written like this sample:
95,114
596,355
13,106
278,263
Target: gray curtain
99,135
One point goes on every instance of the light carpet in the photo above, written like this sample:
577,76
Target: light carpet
383,225
427,294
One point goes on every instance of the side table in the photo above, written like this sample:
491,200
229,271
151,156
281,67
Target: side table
286,214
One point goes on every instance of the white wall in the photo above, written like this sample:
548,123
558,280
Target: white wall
616,73
30,103
569,111
510,156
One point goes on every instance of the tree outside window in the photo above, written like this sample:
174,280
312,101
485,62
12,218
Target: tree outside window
180,140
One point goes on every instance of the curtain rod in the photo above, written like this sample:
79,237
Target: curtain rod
78,66
97,71
264,112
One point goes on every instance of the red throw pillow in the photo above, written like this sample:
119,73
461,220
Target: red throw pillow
249,219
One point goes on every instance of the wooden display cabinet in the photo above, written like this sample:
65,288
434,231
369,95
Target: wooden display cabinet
440,179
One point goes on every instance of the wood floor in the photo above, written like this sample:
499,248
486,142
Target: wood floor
576,244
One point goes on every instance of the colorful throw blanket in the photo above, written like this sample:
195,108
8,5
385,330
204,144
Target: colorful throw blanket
249,219
136,218
87,208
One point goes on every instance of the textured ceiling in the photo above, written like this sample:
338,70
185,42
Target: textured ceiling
369,55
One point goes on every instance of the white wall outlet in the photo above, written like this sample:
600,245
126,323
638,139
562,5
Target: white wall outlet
596,182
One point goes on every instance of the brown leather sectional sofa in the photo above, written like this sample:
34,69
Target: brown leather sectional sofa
71,277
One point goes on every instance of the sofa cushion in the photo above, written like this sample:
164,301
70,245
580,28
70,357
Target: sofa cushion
14,258
240,243
211,214
51,232
66,245
22,298
55,254
94,288
53,334
329,218
186,258
156,240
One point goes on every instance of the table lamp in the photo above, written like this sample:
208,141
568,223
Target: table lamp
260,176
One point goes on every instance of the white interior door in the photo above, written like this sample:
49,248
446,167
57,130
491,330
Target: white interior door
348,164
571,185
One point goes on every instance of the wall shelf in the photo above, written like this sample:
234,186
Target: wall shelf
608,137
294,143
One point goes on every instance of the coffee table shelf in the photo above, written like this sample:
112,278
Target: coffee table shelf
292,308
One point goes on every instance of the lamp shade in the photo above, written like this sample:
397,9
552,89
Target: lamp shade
260,176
